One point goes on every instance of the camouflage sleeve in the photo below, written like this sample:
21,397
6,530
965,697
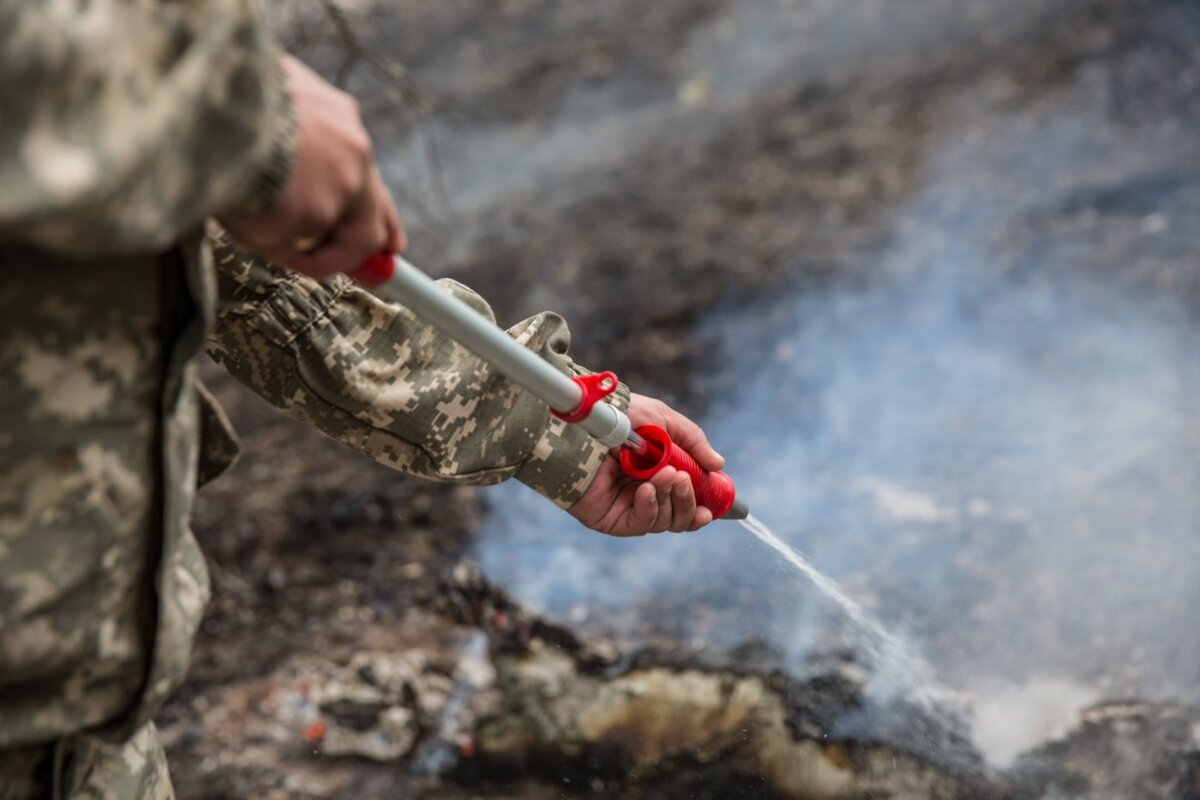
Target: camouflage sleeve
374,376
126,124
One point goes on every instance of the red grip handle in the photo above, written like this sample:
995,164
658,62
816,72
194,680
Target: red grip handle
375,269
714,490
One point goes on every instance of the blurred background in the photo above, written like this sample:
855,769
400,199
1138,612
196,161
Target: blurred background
925,271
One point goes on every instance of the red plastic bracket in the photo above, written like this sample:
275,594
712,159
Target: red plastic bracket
595,388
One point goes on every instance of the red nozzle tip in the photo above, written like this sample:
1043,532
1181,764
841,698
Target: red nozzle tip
375,269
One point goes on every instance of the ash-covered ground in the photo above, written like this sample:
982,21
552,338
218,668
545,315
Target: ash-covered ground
927,272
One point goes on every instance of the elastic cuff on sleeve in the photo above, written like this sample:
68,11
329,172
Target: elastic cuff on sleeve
565,460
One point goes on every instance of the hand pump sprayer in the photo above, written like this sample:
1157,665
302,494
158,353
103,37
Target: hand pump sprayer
577,400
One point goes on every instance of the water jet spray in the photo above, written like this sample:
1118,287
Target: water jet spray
643,452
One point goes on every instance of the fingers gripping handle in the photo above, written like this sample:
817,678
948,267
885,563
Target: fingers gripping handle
714,490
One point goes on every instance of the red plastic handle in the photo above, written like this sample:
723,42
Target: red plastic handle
376,269
714,490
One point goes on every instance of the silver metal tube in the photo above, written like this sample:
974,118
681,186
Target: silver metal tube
635,442
410,286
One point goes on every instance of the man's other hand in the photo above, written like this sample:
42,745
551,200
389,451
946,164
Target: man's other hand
334,211
621,506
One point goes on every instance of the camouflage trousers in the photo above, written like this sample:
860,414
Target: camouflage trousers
82,369
88,767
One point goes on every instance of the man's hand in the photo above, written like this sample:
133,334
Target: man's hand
621,506
334,211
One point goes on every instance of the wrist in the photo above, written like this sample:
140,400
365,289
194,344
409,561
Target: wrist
566,459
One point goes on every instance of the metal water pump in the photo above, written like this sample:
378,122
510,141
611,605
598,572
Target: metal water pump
643,452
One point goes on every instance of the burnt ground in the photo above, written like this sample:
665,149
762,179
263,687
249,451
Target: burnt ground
588,150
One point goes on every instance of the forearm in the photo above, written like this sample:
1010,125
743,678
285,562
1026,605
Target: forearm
376,377
126,124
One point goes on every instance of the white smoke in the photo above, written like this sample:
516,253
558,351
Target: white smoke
990,439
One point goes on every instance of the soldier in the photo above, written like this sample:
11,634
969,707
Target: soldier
125,127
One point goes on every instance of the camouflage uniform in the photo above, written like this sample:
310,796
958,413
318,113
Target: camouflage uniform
125,124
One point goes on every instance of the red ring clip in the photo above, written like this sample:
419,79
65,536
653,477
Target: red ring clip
595,388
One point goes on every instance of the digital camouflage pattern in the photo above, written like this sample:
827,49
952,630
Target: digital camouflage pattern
125,124
89,767
374,376
97,465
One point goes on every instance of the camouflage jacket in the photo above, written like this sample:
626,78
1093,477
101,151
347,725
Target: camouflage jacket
376,377
113,155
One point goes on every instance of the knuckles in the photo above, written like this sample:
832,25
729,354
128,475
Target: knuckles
318,218
360,146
